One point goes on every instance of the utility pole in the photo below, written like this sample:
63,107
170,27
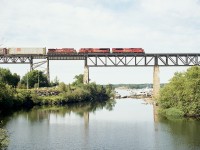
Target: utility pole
27,81
38,79
48,74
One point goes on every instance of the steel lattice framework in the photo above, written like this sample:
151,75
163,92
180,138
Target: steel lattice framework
15,59
113,60
19,59
129,60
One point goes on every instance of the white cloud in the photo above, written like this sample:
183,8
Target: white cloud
155,25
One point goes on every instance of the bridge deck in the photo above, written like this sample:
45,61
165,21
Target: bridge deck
114,59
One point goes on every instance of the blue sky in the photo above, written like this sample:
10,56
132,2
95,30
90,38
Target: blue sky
158,26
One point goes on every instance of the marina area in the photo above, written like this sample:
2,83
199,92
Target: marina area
122,92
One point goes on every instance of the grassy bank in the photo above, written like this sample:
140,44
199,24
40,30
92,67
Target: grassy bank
17,98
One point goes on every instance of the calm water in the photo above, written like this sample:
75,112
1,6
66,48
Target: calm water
121,125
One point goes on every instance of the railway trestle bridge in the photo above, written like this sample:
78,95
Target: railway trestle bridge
155,60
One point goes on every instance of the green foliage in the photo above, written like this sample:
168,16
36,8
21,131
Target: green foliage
3,139
21,86
78,80
11,97
183,92
55,82
34,77
8,78
78,94
23,98
6,96
109,90
97,91
62,87
172,113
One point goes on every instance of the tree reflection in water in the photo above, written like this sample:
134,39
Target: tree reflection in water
81,109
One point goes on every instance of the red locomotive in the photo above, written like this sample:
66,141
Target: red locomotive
62,51
94,50
127,50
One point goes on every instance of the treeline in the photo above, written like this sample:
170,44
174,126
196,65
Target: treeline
136,86
31,79
24,93
181,96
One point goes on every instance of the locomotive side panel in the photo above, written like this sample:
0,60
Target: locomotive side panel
127,50
62,51
86,50
94,50
101,50
133,50
117,50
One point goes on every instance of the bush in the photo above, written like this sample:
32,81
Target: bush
3,139
182,93
6,96
174,113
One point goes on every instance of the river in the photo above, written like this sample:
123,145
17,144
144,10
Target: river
124,124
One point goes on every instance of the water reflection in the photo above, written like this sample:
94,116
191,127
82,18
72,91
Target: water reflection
62,114
127,124
184,133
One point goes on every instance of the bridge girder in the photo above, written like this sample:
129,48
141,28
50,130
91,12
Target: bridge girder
113,60
143,60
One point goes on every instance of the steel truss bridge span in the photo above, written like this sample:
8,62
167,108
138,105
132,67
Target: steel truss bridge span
128,60
113,60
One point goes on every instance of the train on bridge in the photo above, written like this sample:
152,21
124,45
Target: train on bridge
67,51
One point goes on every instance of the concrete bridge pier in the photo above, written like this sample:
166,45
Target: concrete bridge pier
156,82
86,73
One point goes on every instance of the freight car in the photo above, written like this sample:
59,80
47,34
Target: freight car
127,50
61,51
94,50
3,51
23,51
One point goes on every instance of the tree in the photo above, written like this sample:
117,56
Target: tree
3,138
8,78
6,96
183,92
55,82
109,89
35,77
62,87
78,79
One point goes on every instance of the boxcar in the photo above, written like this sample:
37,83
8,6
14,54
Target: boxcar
23,51
3,51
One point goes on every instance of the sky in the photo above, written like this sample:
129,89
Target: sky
157,26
